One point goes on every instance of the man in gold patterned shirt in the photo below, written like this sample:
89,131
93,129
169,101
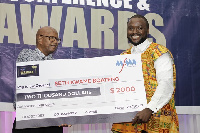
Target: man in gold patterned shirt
159,80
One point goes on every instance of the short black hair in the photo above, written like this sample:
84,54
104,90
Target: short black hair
140,16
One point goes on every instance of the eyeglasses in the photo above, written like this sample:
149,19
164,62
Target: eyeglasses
52,38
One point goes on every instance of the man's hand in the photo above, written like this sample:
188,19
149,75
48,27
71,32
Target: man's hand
142,116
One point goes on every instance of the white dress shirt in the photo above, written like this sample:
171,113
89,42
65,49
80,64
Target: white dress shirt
164,76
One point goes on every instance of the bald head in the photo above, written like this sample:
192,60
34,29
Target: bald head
43,31
46,40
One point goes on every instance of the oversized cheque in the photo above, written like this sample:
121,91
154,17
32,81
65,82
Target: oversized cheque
76,91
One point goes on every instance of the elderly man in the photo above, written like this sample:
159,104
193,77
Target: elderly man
159,80
46,42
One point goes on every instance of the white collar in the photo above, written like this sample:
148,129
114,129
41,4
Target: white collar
141,47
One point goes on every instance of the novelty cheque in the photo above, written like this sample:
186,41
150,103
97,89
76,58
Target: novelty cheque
79,91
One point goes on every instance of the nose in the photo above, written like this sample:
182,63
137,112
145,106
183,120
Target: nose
55,41
135,30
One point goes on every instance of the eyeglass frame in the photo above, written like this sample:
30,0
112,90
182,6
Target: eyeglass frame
53,37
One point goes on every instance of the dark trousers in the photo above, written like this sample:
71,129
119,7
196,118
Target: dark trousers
144,131
38,130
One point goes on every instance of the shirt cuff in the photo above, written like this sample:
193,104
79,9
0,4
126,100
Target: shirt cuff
151,106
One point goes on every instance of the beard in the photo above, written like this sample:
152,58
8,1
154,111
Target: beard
139,42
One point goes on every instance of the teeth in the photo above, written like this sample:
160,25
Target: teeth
135,37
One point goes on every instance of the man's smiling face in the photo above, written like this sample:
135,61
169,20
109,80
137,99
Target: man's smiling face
137,31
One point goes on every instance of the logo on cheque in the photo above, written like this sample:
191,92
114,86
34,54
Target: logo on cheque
28,70
126,62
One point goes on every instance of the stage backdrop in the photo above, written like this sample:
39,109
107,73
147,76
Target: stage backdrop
93,28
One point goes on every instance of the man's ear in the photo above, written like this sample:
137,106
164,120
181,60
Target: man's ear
40,38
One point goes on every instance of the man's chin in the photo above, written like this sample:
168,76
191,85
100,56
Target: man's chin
52,51
135,43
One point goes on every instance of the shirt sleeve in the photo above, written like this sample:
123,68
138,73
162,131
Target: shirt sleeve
26,55
21,57
165,88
